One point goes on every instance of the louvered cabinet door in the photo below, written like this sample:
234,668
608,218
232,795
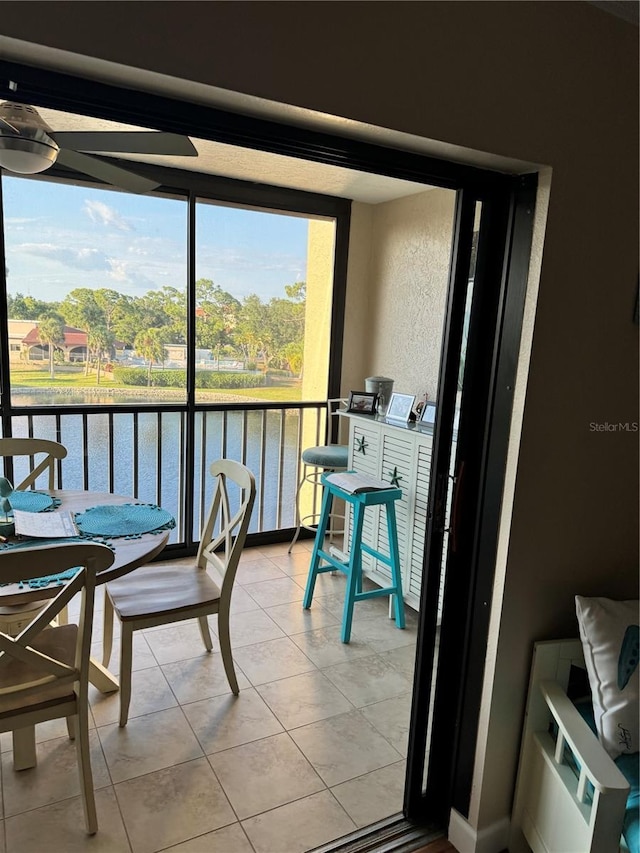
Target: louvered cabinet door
419,520
397,456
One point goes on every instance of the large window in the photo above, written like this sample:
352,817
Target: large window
98,294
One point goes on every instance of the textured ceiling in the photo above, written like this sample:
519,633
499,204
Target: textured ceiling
258,166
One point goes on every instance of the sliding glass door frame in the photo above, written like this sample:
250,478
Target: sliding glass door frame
494,334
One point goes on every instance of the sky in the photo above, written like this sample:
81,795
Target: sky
59,237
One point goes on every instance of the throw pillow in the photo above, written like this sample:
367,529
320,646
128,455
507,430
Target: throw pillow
610,641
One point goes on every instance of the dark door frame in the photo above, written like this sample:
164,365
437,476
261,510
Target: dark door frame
501,276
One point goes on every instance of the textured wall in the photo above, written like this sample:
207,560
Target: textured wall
409,275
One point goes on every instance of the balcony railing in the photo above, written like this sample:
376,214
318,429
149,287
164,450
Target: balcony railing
162,455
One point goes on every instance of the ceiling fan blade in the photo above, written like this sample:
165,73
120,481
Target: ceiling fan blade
122,178
126,142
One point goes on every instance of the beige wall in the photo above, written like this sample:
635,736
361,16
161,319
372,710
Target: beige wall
548,82
397,279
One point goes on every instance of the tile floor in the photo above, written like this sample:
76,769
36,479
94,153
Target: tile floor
312,748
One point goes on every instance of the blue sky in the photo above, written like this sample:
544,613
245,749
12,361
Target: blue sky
59,237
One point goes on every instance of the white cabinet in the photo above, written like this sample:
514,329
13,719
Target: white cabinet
400,455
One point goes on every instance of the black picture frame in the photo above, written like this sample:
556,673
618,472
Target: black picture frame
362,403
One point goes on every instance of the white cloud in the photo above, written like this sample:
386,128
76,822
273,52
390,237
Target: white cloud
82,259
99,212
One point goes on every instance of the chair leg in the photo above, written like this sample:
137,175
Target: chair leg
205,632
72,728
24,748
107,630
126,663
84,766
225,650
314,565
396,577
354,572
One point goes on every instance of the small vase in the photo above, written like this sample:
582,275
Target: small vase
7,528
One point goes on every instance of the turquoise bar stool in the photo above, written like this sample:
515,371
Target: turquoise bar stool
352,567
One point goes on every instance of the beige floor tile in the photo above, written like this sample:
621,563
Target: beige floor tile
150,692
200,678
135,749
142,655
344,747
304,699
382,634
173,805
54,778
294,619
368,680
265,662
250,554
253,627
280,549
255,571
391,718
277,591
325,648
294,564
367,609
179,641
328,584
403,659
264,774
60,828
229,839
299,826
227,721
372,797
241,601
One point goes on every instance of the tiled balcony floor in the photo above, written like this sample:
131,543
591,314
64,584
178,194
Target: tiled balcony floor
312,748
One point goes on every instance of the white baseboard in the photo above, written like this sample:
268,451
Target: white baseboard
466,839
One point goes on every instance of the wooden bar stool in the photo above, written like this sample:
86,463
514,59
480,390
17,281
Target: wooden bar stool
352,567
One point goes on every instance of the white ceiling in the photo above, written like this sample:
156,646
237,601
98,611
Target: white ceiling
259,166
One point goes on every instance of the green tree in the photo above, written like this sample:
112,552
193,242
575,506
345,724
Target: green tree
100,340
21,307
150,346
51,334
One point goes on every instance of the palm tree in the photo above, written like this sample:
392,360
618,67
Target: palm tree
51,334
150,346
100,339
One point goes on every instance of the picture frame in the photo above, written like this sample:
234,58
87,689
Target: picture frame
362,403
400,406
428,415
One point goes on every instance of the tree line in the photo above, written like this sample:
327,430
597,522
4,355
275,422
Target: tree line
251,330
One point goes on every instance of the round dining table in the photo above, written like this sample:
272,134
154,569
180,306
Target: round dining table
130,553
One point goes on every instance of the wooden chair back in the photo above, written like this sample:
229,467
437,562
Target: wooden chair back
224,533
32,447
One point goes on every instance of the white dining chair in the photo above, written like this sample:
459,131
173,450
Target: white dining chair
14,618
44,670
162,594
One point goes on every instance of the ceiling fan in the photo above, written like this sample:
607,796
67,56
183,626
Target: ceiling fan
28,146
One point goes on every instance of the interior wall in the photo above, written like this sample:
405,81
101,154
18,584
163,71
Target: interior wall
397,278
548,82
411,251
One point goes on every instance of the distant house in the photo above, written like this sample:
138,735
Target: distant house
25,346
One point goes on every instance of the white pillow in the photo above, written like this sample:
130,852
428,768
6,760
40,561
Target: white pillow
609,633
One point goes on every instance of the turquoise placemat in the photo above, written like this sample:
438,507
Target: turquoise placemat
125,520
31,501
47,580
